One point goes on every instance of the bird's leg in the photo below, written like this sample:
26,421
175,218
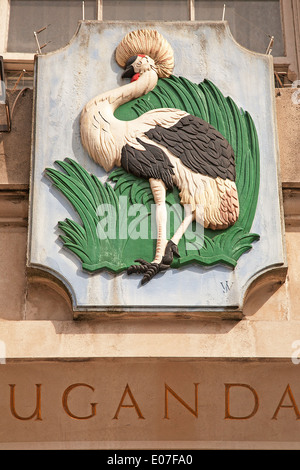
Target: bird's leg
150,269
159,193
183,227
164,250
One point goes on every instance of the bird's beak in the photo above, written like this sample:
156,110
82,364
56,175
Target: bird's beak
128,72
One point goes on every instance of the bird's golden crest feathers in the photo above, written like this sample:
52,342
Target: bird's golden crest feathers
148,42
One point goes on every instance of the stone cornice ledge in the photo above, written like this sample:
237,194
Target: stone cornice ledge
69,340
291,205
13,206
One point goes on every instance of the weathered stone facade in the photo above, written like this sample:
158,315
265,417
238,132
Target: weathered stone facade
37,320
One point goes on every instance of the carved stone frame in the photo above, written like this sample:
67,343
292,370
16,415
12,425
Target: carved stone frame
268,267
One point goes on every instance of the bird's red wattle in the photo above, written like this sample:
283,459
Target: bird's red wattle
135,77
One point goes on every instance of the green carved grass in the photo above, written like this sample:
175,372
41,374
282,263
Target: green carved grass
86,193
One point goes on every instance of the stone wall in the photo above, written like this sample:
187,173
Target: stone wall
29,297
36,318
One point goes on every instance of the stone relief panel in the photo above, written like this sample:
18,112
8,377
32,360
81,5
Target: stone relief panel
162,193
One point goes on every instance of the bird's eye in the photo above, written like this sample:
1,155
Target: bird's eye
139,63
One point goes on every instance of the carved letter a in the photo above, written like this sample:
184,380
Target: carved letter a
134,404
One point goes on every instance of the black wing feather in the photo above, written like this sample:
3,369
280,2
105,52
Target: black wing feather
200,146
149,163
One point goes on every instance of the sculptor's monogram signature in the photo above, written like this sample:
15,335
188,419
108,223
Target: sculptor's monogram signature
226,286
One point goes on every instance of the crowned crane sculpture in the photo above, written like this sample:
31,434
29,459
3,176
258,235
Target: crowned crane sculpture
167,146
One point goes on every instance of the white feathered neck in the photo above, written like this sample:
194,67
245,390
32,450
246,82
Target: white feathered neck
103,135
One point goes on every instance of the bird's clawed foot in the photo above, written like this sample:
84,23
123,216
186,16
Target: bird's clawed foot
151,269
148,269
